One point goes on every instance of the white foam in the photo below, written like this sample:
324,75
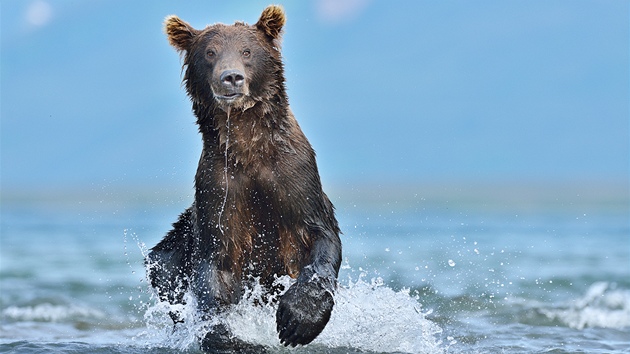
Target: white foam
372,317
367,316
161,332
603,306
50,313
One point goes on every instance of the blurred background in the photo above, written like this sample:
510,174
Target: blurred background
490,99
477,152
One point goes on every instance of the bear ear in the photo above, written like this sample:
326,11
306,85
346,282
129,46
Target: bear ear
180,34
271,21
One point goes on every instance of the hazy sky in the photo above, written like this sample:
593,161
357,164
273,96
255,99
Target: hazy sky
386,91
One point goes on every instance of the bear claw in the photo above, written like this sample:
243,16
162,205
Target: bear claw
303,312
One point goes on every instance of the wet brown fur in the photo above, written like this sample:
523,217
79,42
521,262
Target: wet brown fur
259,209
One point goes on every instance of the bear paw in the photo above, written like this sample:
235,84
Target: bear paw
303,312
220,341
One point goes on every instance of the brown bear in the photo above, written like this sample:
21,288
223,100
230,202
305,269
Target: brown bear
259,211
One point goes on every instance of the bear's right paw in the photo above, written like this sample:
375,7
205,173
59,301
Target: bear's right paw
303,312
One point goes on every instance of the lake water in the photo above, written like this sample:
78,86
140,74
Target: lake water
420,275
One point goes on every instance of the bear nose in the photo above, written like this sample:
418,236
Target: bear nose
232,78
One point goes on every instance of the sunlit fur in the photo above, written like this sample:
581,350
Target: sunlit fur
259,210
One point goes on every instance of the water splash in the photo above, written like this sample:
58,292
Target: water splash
368,316
373,317
603,306
182,337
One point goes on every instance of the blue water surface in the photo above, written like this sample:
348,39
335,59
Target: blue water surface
418,276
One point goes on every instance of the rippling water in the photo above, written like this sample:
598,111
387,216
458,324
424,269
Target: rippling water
423,277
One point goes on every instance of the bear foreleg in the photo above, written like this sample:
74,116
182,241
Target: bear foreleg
305,308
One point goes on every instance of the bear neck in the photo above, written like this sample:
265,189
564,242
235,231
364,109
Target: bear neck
261,129
251,139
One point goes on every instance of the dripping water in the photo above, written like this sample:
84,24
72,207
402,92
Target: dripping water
225,168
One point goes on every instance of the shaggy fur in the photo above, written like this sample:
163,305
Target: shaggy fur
259,210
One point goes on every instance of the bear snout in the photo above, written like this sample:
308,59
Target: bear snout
232,79
229,87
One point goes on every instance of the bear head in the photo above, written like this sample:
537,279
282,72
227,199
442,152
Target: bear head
231,66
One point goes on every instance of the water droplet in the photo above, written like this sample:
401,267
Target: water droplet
451,263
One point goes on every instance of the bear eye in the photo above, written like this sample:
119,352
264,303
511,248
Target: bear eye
210,53
247,53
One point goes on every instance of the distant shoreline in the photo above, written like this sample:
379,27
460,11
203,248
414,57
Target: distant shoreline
394,195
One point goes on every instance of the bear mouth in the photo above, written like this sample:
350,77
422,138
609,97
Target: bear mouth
228,98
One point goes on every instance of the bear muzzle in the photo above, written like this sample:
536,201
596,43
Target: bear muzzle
230,88
232,79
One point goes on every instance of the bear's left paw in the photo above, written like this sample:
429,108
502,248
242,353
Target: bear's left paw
303,312
220,341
